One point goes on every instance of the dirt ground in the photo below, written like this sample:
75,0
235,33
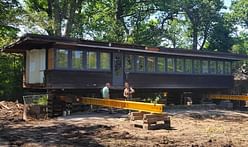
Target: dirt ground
189,128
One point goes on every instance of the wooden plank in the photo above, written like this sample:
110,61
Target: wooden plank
139,106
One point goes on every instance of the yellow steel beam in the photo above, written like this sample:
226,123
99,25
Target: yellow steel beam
139,106
230,97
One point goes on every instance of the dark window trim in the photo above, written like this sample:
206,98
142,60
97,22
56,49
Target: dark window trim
110,65
55,58
146,65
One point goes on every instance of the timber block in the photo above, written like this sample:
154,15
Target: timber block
150,121
136,116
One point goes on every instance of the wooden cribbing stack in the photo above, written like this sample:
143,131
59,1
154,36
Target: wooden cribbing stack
149,121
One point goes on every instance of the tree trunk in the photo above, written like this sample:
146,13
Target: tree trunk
70,18
50,12
119,15
204,40
195,38
57,18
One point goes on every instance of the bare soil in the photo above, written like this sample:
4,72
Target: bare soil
189,128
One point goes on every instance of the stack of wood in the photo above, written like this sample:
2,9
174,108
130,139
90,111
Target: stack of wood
149,121
11,111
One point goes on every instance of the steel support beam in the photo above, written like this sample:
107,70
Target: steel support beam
229,97
131,105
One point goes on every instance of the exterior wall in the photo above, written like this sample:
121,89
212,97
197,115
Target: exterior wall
69,79
64,79
35,66
180,81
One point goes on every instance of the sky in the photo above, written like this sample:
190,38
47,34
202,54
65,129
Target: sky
227,3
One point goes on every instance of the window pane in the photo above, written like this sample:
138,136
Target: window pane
180,65
227,68
212,67
151,64
77,58
62,58
140,63
91,60
220,67
129,62
188,65
104,61
161,64
205,67
197,66
170,65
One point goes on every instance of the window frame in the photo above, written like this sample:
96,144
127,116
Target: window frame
133,69
154,64
157,67
56,56
136,63
82,61
167,65
176,65
223,68
192,69
210,71
230,68
99,61
207,61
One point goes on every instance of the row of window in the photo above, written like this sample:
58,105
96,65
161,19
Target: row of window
75,59
91,60
141,63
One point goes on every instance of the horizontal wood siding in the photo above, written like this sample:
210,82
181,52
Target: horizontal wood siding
141,80
63,79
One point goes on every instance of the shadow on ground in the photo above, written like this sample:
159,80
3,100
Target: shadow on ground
60,134
223,115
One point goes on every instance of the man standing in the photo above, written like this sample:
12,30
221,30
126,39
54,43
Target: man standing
128,91
105,94
105,91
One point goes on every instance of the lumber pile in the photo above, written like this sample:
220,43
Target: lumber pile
11,111
149,121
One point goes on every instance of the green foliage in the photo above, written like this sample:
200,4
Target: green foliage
241,44
10,64
11,75
43,100
202,14
220,38
240,12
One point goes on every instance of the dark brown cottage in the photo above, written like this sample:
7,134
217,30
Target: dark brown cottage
59,63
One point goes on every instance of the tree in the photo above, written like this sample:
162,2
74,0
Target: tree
239,12
241,44
9,10
55,16
202,14
10,64
220,37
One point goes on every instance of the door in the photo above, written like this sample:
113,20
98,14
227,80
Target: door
117,69
35,66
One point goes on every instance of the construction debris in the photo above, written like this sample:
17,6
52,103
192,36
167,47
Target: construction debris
149,121
11,111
